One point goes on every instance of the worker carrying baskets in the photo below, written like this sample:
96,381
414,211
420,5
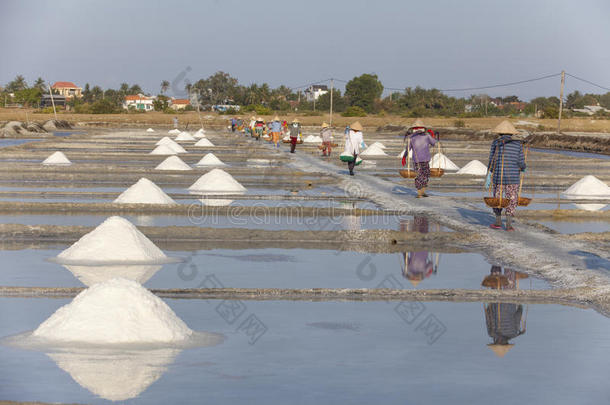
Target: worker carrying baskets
505,168
419,141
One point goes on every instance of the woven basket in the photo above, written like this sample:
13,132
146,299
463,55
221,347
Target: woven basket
407,174
285,141
346,158
495,281
524,201
436,172
494,202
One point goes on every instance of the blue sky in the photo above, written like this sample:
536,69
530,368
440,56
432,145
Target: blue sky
432,43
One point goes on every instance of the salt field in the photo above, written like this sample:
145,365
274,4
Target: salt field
139,277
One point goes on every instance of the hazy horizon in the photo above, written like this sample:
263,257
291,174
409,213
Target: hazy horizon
441,44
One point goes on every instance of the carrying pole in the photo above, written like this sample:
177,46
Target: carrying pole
53,102
331,103
563,81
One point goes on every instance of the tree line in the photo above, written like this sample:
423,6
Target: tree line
362,96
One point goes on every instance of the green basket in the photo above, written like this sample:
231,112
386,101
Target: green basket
346,158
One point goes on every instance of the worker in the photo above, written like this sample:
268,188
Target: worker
354,140
326,135
295,132
276,129
419,143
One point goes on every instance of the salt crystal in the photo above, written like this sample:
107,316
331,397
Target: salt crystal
589,187
474,167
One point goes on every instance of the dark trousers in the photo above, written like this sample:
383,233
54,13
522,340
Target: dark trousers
352,164
293,144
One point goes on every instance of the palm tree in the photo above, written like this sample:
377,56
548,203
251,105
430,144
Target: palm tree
39,84
17,84
164,86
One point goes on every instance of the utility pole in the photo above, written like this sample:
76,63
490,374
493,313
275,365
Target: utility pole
331,102
53,102
563,81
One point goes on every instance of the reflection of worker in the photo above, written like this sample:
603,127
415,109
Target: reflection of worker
503,319
417,265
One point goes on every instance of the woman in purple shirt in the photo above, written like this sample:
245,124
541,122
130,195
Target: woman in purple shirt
420,142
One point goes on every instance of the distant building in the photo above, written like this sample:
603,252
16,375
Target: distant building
59,101
179,103
68,89
591,109
314,92
139,102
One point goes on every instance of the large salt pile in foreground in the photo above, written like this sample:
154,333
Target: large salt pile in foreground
474,167
173,163
210,160
589,187
144,192
184,136
57,158
163,150
204,142
150,130
373,150
174,131
116,240
117,311
444,162
217,181
312,139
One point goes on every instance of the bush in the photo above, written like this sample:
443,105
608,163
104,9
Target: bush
103,106
354,111
459,124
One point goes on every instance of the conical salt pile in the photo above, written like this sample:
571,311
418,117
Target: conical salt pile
210,160
379,144
312,139
163,150
200,133
474,167
184,136
165,141
116,240
144,192
204,142
589,187
57,158
444,162
150,130
116,311
173,163
173,131
373,150
217,181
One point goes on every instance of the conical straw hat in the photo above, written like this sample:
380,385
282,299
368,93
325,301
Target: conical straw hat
324,125
276,118
415,282
356,126
295,121
505,127
500,350
418,123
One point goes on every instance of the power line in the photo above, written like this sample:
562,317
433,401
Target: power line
587,81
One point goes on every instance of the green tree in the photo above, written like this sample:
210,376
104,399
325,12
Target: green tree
28,97
161,103
339,102
18,83
135,89
40,84
362,91
104,106
164,86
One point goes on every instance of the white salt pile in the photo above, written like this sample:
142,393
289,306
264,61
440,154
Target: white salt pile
589,187
373,150
150,130
217,181
286,138
312,139
163,150
57,159
184,136
175,146
210,160
173,163
443,162
258,162
90,275
114,241
200,133
144,192
174,131
379,144
590,207
204,142
164,141
117,311
474,167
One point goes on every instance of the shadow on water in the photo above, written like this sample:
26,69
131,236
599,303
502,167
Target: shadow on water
476,217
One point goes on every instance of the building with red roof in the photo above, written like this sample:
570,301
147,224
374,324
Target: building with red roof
67,89
180,103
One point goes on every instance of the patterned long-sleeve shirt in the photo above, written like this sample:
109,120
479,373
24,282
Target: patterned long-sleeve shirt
514,160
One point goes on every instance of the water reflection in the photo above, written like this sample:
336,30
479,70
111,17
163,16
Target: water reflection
417,266
90,275
505,321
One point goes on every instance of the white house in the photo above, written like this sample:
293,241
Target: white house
314,92
139,102
590,109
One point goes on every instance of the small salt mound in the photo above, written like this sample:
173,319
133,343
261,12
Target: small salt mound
90,275
163,150
217,181
204,142
150,130
373,150
184,136
588,187
57,158
144,192
474,167
210,160
379,144
174,131
165,141
116,240
443,162
117,311
200,133
173,163
312,139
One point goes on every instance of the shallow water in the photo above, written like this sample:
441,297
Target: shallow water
14,142
334,352
577,226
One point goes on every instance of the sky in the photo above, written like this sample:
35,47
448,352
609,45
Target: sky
444,44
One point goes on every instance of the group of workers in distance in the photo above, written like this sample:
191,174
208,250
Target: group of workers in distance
505,164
